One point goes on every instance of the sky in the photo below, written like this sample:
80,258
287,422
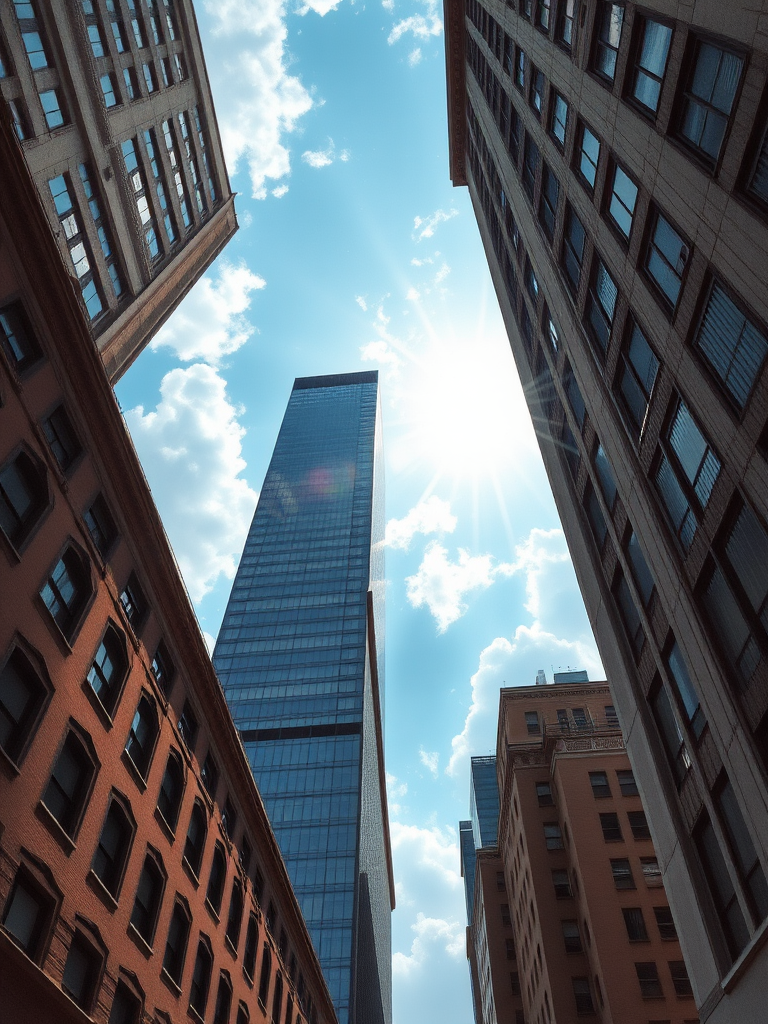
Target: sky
355,252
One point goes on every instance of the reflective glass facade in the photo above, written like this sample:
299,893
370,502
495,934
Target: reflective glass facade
484,801
294,658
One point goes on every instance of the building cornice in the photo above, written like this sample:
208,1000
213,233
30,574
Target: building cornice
456,89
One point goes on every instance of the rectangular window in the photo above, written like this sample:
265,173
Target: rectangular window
544,794
685,474
686,691
136,176
77,243
562,884
550,191
570,450
571,936
742,848
574,238
635,924
101,525
131,85
707,101
648,976
626,780
601,306
19,119
680,979
150,78
52,108
536,95
27,915
117,33
587,155
506,920
552,836
17,338
609,20
600,786
605,477
611,717
665,923
638,824
665,260
669,732
734,347
638,367
630,616
609,823
651,872
33,44
134,602
652,50
543,14
573,394
641,574
519,76
621,202
720,886
595,516
564,30
60,435
531,283
530,165
583,995
558,124
81,971
532,723
109,90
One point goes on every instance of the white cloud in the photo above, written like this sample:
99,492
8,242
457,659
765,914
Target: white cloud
345,155
421,26
432,849
324,157
388,5
414,57
396,790
430,931
321,7
412,295
190,448
432,515
257,101
425,227
430,760
442,273
209,322
441,584
361,303
210,641
380,352
280,191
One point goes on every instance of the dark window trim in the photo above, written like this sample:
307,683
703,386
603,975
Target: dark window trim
610,178
106,714
38,666
84,738
642,15
122,800
68,639
669,309
37,356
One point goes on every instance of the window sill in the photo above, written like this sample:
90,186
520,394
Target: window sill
170,983
64,840
134,772
101,891
170,833
212,912
190,873
230,946
141,942
97,705
248,978
9,764
747,956
192,1012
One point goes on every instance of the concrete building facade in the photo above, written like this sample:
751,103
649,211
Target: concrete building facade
112,103
616,158
139,877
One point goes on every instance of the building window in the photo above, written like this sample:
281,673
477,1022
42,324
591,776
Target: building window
609,20
149,896
134,603
131,83
19,119
550,191
573,394
622,197
648,976
530,165
109,669
209,775
742,848
509,946
77,244
223,1000
114,846
665,260
176,943
574,239
571,936
553,837
251,945
277,999
635,924
562,884
531,285
101,525
53,109
244,1017
609,823
601,306
638,368
666,924
707,99
543,14
600,786
536,93
109,91
126,1006
605,477
266,970
686,473
587,155
181,68
680,979
201,978
544,794
17,337
235,916
595,516
532,723
141,196
196,836
564,28
23,497
582,993
216,879
118,31
622,874
611,718
171,791
229,817
630,616
733,346
669,732
150,77
28,914
33,44
558,124
153,155
70,783
720,886
245,853
652,50
163,668
82,971
514,982
22,698
141,739
651,872
188,727
61,437
639,825
626,780
519,75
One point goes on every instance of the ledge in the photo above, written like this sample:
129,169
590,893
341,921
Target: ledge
62,838
757,942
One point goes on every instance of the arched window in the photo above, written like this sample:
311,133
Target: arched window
251,945
277,999
201,977
216,879
266,970
243,1016
82,971
70,783
17,337
223,1000
289,1009
171,791
109,669
196,835
126,1006
23,497
176,944
149,896
114,846
22,695
235,916
141,738
66,591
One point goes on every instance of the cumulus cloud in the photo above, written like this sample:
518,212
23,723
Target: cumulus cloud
442,273
210,641
430,931
414,57
430,760
396,790
324,157
425,227
441,584
190,448
321,7
388,5
257,101
361,303
412,295
385,349
431,849
421,26
432,515
280,191
209,322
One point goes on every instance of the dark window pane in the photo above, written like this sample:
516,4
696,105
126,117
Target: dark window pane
732,345
17,337
113,848
621,206
708,98
67,789
21,696
141,739
635,924
62,438
651,63
609,20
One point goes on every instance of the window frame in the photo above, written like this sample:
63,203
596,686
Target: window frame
99,511
143,766
197,806
34,710
171,821
626,367
152,857
116,799
37,879
597,41
107,697
90,764
665,301
549,200
180,908
69,626
580,155
635,69
84,941
571,219
15,313
610,193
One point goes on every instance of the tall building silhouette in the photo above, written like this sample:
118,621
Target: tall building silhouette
299,655
617,161
112,104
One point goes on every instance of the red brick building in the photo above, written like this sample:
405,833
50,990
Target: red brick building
139,876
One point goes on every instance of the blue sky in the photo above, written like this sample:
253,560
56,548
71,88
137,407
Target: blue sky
356,253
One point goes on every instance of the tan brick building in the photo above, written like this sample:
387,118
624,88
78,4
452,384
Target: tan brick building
617,160
112,103
140,880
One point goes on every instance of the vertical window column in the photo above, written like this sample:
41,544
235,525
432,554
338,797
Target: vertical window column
181,188
76,242
138,184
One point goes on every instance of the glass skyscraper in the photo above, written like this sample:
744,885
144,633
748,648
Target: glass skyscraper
300,657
